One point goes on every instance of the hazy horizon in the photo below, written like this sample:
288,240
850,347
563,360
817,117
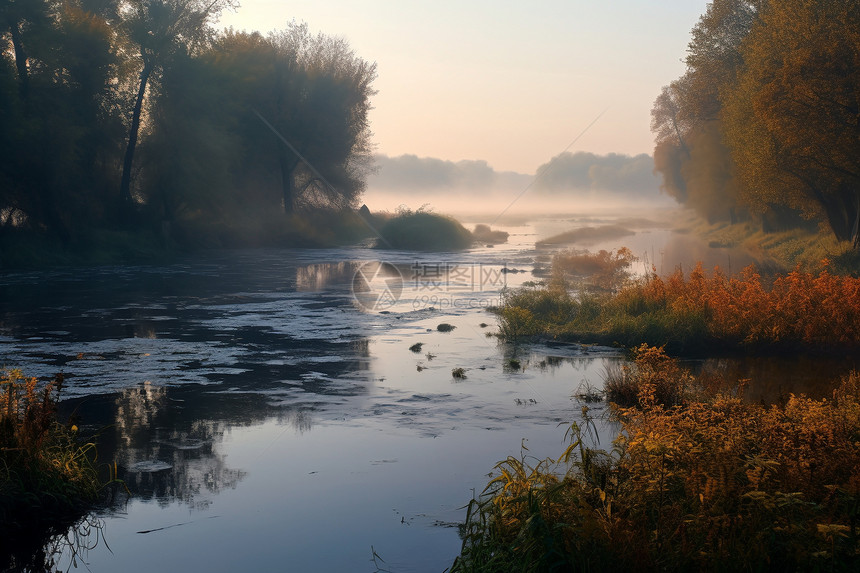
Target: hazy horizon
575,182
513,84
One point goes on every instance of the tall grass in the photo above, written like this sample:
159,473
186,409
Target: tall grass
46,471
710,484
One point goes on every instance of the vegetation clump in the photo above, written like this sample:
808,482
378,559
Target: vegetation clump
758,127
416,348
47,475
586,235
484,234
445,327
652,373
604,270
424,231
92,172
711,483
458,373
696,312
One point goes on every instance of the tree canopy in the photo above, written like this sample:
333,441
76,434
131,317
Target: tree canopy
765,120
793,115
138,114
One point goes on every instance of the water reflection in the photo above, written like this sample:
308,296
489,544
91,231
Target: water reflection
319,276
59,548
168,442
774,379
193,375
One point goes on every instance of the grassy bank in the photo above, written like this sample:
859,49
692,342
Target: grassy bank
48,477
801,248
697,480
699,312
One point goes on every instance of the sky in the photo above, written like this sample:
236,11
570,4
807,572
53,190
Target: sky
511,83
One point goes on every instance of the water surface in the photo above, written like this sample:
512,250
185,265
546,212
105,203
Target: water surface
265,416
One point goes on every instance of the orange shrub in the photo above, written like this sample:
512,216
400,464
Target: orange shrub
801,308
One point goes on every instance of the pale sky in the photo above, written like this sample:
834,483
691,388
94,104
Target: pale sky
512,83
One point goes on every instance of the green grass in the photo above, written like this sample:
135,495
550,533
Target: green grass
783,250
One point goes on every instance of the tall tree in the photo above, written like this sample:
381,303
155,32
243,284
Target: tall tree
686,118
793,117
63,124
321,107
209,156
161,30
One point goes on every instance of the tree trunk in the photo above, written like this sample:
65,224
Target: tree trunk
20,60
288,183
125,183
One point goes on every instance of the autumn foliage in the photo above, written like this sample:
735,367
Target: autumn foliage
806,309
694,312
711,484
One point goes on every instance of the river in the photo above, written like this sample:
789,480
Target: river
266,411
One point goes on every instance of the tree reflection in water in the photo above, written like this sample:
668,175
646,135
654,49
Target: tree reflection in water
49,550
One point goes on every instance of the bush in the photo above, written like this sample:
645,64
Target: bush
653,378
484,234
606,270
423,231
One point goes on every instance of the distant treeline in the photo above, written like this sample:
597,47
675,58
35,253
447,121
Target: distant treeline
567,175
765,121
139,115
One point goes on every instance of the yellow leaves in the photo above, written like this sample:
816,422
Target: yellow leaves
715,481
790,113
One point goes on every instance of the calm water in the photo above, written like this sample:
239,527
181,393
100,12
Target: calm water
267,413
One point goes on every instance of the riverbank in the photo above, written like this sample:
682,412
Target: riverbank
777,250
22,248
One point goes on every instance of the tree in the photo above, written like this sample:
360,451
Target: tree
209,161
161,30
24,20
320,105
714,55
793,116
668,123
686,118
60,129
